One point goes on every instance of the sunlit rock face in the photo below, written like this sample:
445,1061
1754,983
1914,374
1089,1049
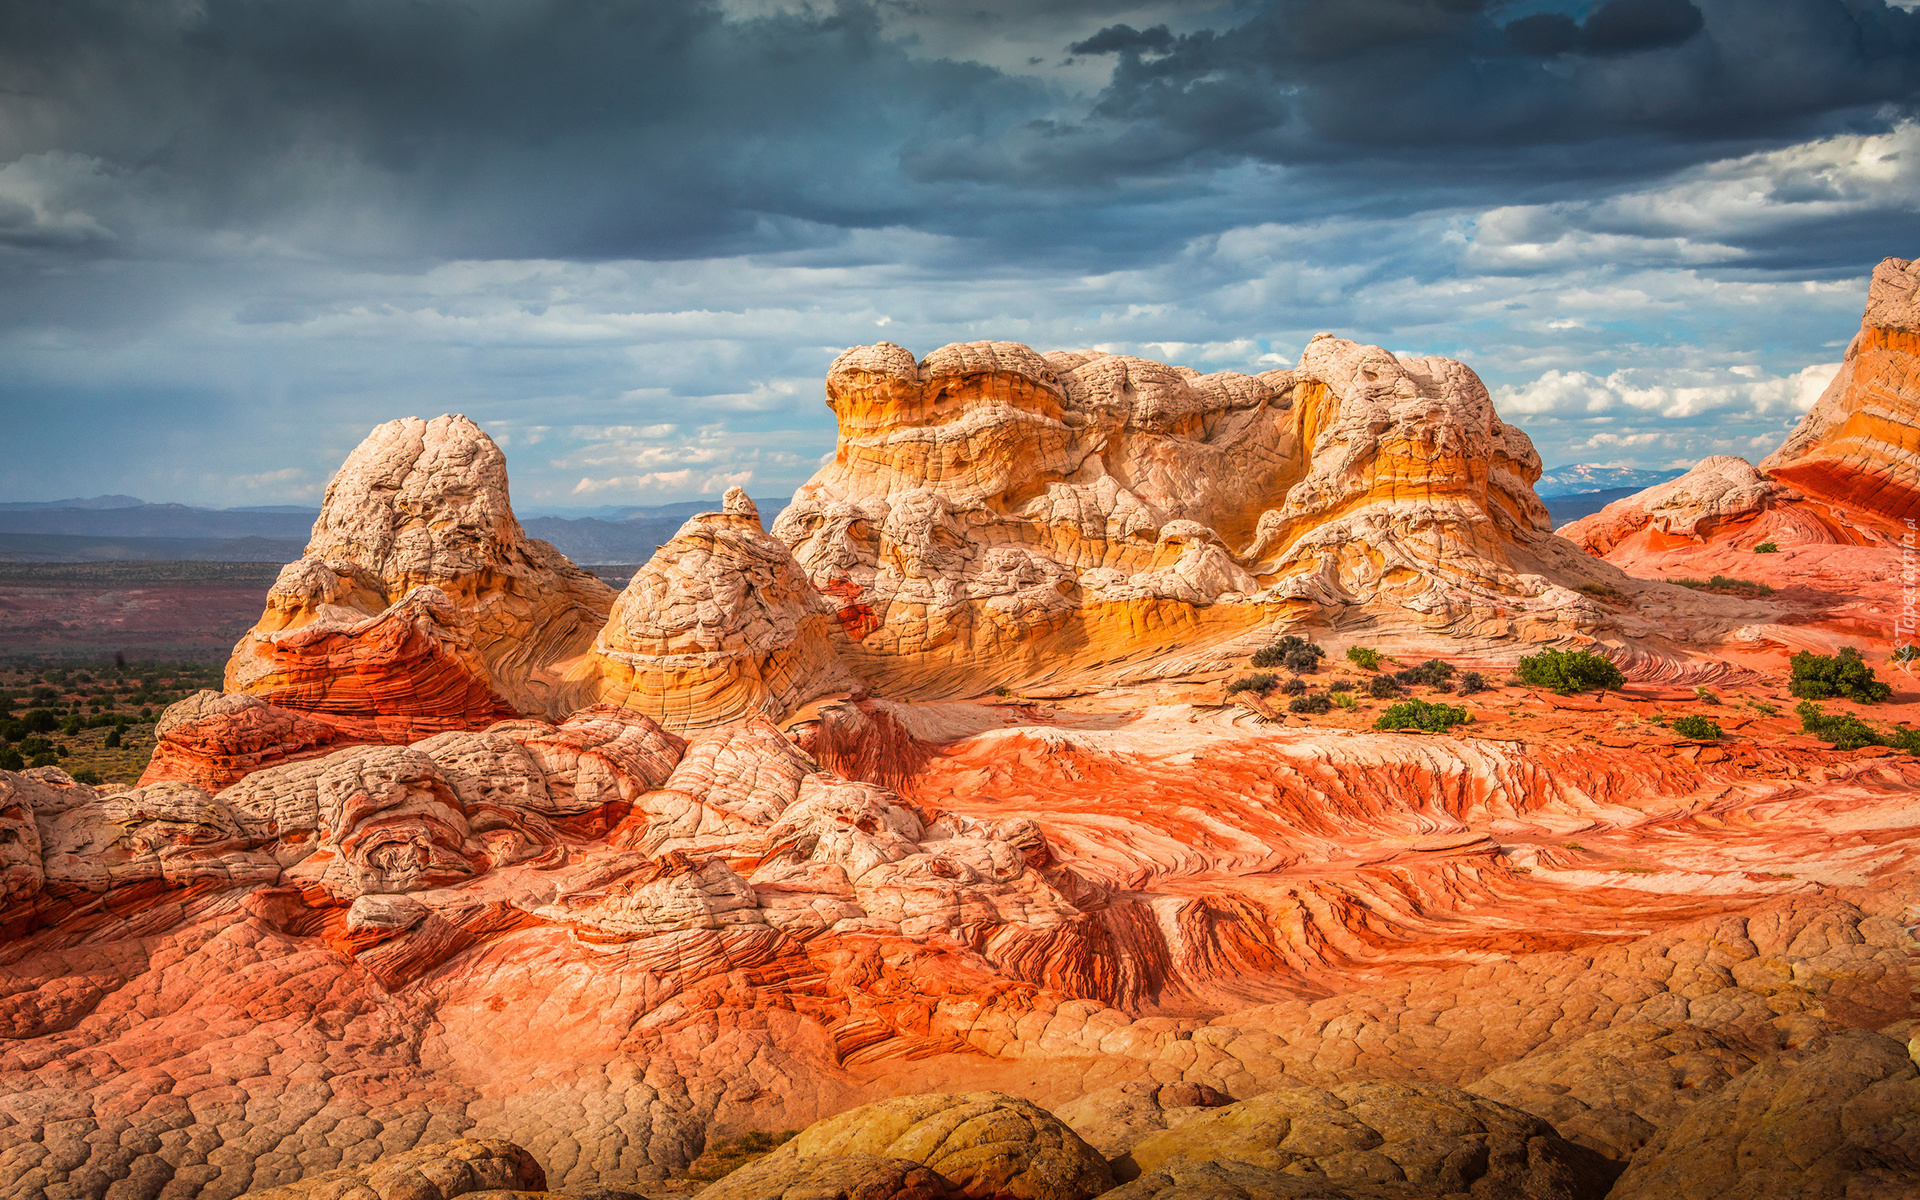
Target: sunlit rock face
1859,447
420,605
993,514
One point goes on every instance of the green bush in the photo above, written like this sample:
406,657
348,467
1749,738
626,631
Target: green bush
1364,658
1420,714
1293,652
1340,685
40,720
1472,682
1432,673
1344,699
1726,586
1384,687
45,760
1698,728
113,738
10,760
87,775
1570,671
1704,696
1843,731
1906,653
1845,676
1262,682
1313,702
1767,548
1603,591
1294,686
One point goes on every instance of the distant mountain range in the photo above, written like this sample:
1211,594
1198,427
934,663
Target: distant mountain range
1585,478
128,529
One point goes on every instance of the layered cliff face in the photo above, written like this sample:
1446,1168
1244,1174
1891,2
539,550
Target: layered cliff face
420,605
992,514
1822,519
1859,447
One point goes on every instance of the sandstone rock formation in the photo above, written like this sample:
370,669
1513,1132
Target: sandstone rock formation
1835,499
1846,476
720,623
988,1144
992,515
1440,1139
1859,447
420,606
437,1172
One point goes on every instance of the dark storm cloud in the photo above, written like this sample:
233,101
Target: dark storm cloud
1464,81
570,128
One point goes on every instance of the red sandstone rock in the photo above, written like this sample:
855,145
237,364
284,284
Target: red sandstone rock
212,739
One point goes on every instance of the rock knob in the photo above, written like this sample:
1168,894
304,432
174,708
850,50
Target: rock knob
738,503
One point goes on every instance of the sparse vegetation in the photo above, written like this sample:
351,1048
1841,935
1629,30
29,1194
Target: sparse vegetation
1842,731
1345,700
1700,729
1294,686
1384,687
1704,695
1844,676
1340,685
1603,591
1472,683
724,1156
1906,653
1313,702
1364,658
1293,652
1570,671
1261,682
1422,714
1767,548
1432,673
1723,585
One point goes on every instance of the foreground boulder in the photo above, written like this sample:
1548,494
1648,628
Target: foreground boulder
988,1144
440,1171
845,1177
1116,1119
1842,1122
1437,1138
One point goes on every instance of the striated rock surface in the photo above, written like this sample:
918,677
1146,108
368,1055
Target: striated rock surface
841,1177
993,515
437,1172
212,739
720,623
420,605
1859,446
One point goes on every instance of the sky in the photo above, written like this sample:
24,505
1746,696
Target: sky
628,236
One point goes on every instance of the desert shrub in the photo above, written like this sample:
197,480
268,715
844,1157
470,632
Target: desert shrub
1293,652
45,759
1313,702
87,775
1261,682
1472,682
1843,731
1845,676
1432,673
1344,699
40,720
1364,658
113,738
10,760
1704,696
1767,548
1421,714
1294,686
1340,685
1698,728
1570,671
1906,653
1602,591
1384,687
70,726
1726,586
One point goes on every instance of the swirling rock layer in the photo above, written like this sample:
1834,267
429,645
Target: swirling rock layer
420,605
